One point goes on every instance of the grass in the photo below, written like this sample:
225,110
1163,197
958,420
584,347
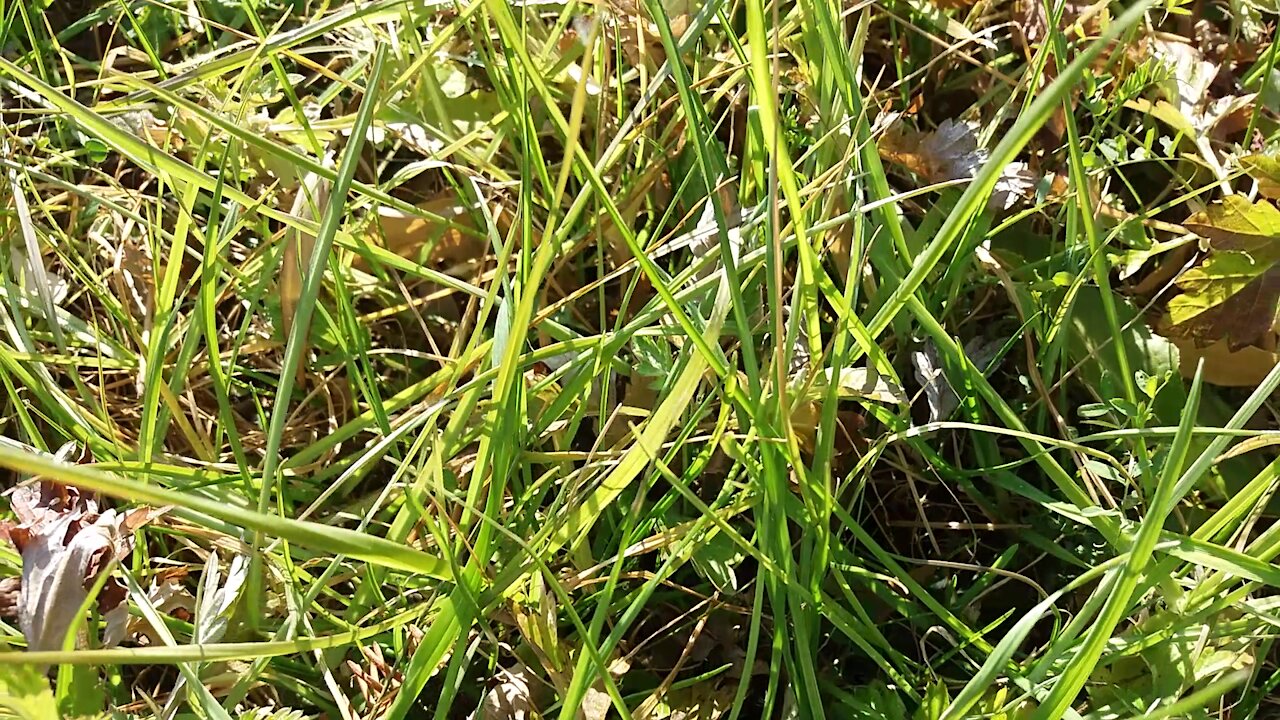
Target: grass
563,360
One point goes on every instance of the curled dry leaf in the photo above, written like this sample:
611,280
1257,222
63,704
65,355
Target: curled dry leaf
950,153
1032,22
167,595
512,698
858,382
1189,78
705,239
940,396
1190,106
10,587
66,542
627,25
311,195
1017,182
596,704
456,240
136,288
414,136
217,598
144,125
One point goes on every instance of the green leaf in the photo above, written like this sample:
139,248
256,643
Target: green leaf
716,560
875,701
936,700
1147,351
24,691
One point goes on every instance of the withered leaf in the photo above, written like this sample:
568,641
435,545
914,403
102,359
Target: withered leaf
65,542
311,195
512,698
1233,293
456,239
1245,367
859,382
951,152
1266,170
939,395
1242,319
9,589
948,153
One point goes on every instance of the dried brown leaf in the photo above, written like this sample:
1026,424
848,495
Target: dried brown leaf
1032,23
10,588
512,698
1243,319
311,195
948,153
65,543
1233,294
596,704
457,239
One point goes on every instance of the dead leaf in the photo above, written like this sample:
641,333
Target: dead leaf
312,195
144,125
132,277
216,599
61,558
1245,367
1249,445
1016,184
859,382
457,239
412,135
951,153
629,27
65,543
596,704
856,382
1233,293
168,595
948,153
1195,111
705,238
512,698
706,700
939,395
10,587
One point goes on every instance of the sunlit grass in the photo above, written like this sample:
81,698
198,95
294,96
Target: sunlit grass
563,355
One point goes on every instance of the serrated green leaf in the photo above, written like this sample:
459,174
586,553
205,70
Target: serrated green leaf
936,700
24,691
